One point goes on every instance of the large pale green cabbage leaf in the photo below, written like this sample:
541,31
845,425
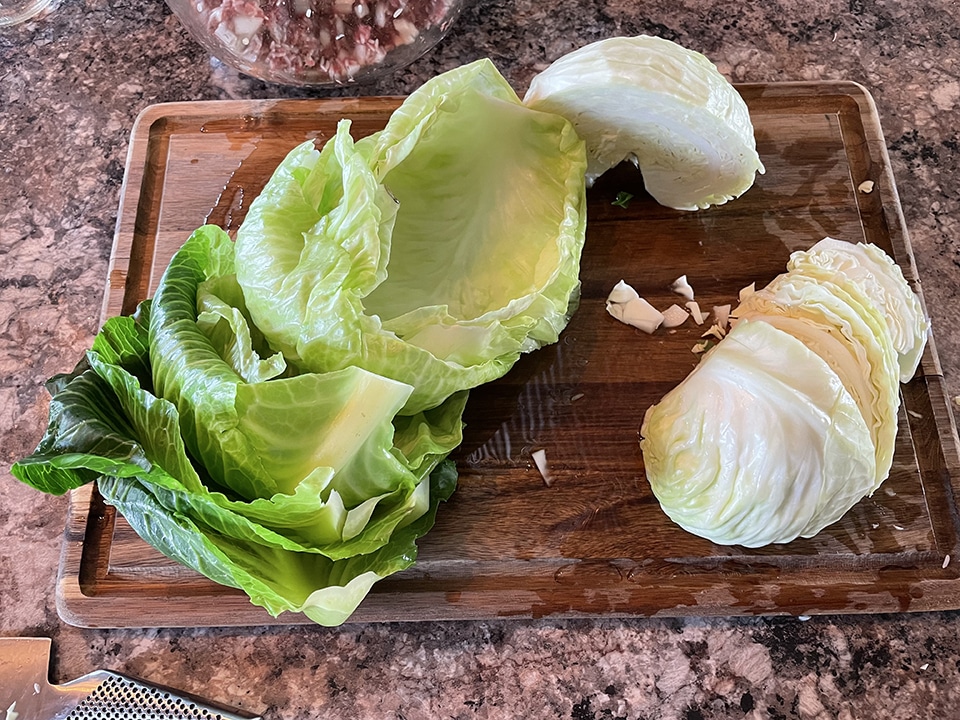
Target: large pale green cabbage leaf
664,107
434,252
760,444
792,417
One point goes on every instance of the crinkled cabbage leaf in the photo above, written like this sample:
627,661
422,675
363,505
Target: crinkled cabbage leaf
434,252
296,487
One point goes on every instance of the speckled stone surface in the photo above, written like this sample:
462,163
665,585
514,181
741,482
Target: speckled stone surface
71,85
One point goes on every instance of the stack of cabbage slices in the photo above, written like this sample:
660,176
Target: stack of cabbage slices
792,417
279,415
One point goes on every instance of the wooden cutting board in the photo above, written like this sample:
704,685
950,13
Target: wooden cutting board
594,542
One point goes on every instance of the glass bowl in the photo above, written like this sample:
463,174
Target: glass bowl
14,12
317,42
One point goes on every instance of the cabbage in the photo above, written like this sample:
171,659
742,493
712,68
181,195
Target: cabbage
874,274
434,252
301,489
760,444
664,107
792,417
849,334
278,416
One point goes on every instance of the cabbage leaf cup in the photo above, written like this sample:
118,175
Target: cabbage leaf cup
279,415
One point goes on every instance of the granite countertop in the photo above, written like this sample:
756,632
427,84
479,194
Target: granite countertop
71,84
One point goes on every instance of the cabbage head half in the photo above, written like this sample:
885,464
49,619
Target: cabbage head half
434,252
664,107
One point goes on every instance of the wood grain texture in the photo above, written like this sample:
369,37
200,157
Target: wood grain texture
595,541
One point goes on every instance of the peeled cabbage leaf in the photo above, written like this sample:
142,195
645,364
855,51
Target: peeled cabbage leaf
263,438
760,444
434,252
253,512
327,591
848,332
873,273
664,107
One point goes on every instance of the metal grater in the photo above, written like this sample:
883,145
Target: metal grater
26,694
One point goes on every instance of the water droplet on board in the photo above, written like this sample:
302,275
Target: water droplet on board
229,210
244,183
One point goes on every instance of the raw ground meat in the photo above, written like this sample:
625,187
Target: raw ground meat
336,38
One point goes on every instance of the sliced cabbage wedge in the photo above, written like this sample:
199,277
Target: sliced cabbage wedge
664,107
760,444
849,334
434,252
793,415
874,274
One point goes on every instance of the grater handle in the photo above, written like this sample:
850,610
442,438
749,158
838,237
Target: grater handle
25,689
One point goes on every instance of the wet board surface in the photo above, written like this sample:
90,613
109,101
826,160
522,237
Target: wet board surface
594,542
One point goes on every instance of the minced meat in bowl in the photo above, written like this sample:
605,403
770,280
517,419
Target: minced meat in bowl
317,42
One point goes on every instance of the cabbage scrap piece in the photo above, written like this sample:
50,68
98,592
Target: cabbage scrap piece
760,444
847,330
664,107
434,252
874,273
